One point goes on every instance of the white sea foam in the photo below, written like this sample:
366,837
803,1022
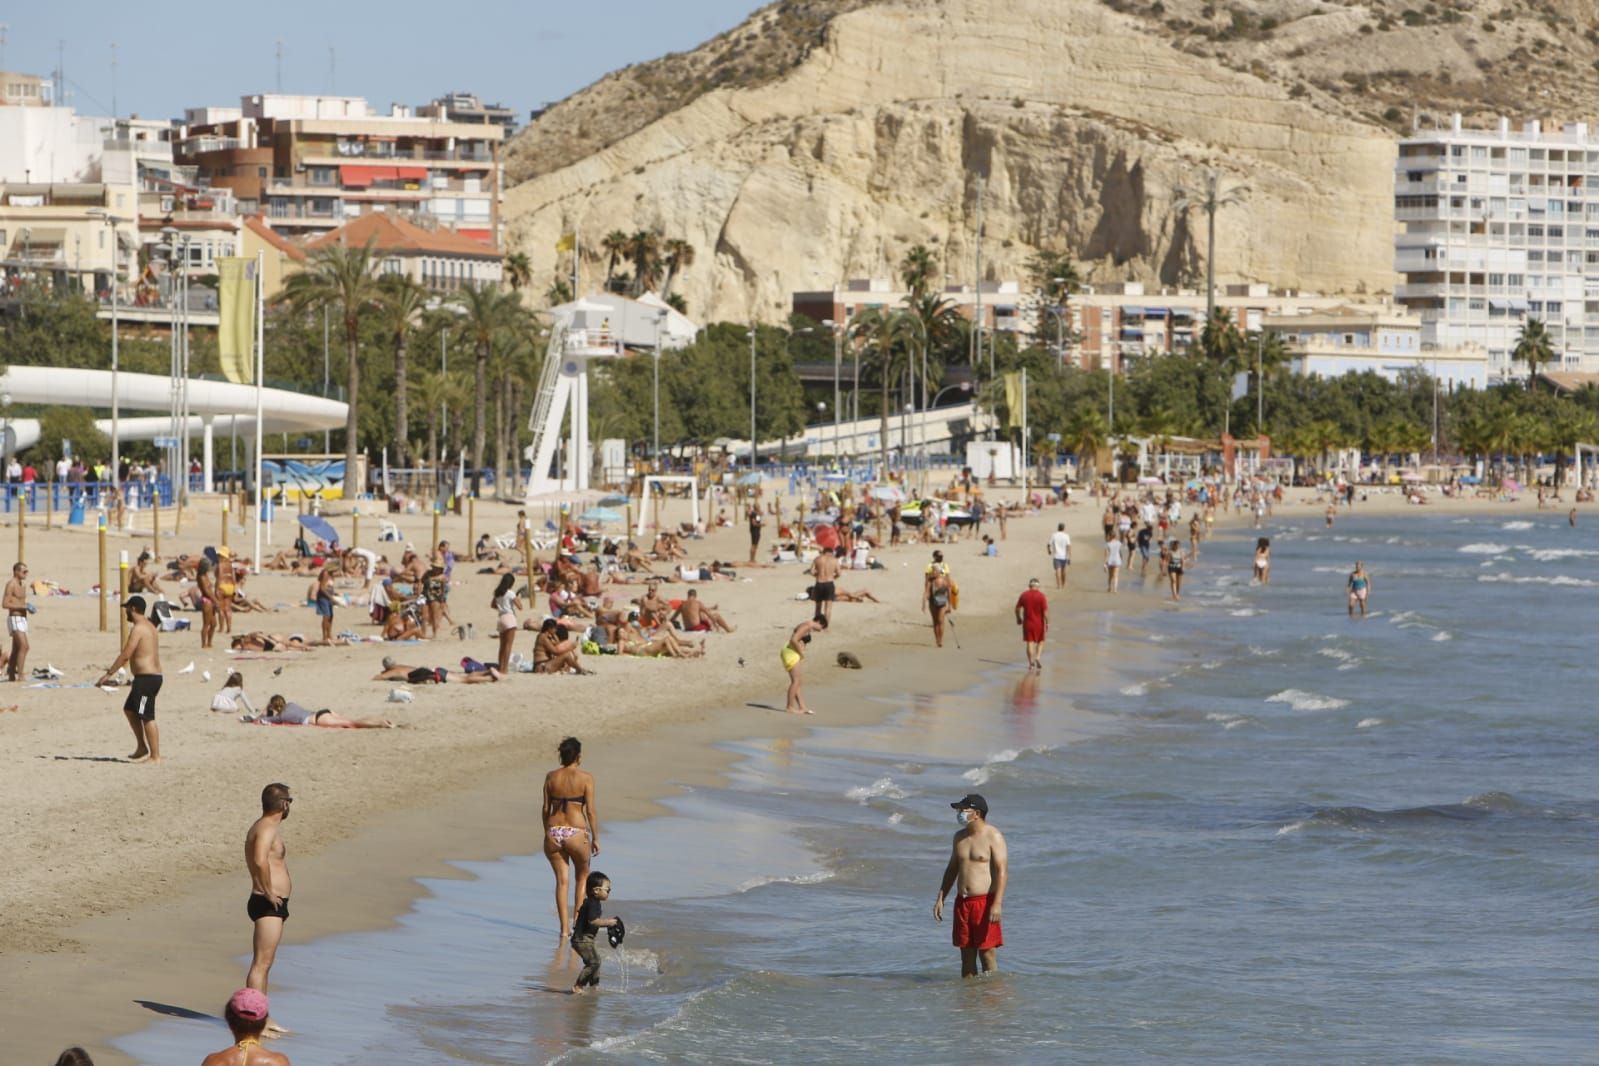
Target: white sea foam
1290,828
896,818
1263,653
1488,548
1549,555
1538,579
1211,665
979,775
1442,635
811,878
1339,654
1328,569
1139,689
1244,612
1300,700
1516,525
1229,721
1369,723
883,786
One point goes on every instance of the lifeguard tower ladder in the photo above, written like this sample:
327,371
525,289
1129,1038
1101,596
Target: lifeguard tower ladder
563,390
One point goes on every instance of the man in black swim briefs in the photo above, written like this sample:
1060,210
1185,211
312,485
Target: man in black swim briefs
268,906
142,654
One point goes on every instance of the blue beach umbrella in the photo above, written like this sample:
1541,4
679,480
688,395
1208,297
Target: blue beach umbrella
613,499
598,515
320,527
751,478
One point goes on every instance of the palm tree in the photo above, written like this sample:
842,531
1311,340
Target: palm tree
487,311
644,249
442,397
615,245
402,299
518,271
1210,196
1534,348
679,257
918,269
343,280
1086,433
888,336
1223,347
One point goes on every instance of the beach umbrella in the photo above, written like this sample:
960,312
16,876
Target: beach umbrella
613,499
320,528
820,518
747,479
599,515
826,537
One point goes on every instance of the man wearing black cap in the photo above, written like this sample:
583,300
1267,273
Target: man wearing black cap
977,864
142,653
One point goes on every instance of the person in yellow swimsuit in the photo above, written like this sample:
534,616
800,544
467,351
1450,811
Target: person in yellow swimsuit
792,655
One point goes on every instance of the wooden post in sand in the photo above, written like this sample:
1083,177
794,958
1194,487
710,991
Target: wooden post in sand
101,586
224,523
49,505
471,523
122,597
155,522
435,530
355,528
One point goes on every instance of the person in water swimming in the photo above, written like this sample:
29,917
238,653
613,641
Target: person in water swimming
571,830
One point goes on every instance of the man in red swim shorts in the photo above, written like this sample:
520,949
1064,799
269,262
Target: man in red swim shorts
977,863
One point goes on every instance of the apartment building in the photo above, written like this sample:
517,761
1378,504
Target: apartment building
1000,301
442,260
1386,340
1500,226
311,164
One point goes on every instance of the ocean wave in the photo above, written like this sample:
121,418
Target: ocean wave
1140,689
979,775
1487,548
1441,636
1565,580
1245,612
1345,657
1263,653
1229,721
1368,819
883,786
1369,723
1549,555
1516,525
812,878
1300,700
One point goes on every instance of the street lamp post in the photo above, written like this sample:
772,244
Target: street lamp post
116,413
752,396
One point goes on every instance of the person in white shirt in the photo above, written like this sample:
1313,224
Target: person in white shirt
1060,550
231,696
63,468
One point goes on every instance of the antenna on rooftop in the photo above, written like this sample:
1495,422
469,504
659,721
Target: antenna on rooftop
278,61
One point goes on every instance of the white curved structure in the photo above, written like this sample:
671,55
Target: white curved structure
212,404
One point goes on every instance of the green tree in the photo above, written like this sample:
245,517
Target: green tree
342,279
488,313
1533,347
401,301
59,423
644,249
617,246
518,271
679,257
918,269
1086,434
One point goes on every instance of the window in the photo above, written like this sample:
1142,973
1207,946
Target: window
1349,339
321,175
261,172
391,265
1496,279
1553,307
1534,230
1518,155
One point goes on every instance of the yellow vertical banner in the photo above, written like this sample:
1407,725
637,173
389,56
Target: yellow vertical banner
1013,399
236,328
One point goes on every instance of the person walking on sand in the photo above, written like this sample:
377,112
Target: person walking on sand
323,595
1060,552
936,594
1174,569
1113,562
1032,614
755,522
792,655
142,654
978,870
1359,588
268,905
571,828
15,602
1263,560
246,1015
825,570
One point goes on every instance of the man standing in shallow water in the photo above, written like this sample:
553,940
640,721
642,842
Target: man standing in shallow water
978,864
268,906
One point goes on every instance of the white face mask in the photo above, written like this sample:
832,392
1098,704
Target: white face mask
963,817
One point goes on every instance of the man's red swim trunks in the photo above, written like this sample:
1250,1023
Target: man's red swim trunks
972,928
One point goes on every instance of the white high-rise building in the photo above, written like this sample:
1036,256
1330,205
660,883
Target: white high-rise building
1500,226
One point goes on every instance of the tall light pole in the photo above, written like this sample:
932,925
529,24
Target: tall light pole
116,439
655,454
752,395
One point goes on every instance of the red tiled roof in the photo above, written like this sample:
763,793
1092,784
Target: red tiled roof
258,226
389,233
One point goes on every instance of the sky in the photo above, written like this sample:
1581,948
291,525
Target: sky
520,54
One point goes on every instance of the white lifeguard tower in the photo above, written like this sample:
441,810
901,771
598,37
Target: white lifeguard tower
564,390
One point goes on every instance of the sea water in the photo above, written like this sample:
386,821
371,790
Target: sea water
1281,835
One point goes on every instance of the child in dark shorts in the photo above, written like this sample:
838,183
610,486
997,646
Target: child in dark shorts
596,890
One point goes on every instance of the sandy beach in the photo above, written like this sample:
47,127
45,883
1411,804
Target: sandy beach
124,890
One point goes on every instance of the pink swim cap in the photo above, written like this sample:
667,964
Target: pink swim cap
249,1004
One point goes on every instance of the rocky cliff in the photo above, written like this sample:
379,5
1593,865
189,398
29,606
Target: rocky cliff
822,138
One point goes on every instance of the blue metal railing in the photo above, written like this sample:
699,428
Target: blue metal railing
35,496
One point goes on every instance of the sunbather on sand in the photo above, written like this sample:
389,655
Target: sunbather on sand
269,642
428,675
281,712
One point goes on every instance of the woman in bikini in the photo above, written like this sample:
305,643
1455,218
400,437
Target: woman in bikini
571,831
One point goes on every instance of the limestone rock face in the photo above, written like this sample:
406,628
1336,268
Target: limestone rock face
1082,123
